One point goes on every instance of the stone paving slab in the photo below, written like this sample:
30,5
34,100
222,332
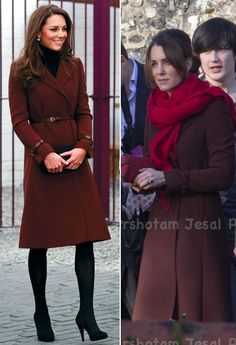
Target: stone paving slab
16,298
106,252
17,304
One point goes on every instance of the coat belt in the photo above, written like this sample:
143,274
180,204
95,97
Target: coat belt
52,119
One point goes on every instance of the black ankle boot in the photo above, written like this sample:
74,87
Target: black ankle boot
94,334
43,327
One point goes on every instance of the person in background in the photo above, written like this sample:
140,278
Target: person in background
185,265
214,45
50,115
134,94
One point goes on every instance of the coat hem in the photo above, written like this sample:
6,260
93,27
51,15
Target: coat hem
25,246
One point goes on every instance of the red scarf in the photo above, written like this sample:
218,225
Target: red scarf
167,114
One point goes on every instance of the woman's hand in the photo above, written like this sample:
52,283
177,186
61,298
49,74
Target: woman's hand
54,163
149,178
76,157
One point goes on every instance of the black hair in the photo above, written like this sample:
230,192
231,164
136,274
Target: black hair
214,34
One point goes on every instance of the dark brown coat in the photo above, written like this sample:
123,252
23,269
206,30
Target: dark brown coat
185,257
59,209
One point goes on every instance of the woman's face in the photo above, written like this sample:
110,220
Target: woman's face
54,32
166,77
218,65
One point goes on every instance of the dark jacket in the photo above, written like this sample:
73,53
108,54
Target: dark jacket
132,240
143,92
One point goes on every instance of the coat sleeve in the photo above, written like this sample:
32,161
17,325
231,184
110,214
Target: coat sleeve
20,118
83,116
221,155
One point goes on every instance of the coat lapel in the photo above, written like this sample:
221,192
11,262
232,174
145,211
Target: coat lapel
60,80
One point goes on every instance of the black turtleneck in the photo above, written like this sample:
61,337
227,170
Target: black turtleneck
51,59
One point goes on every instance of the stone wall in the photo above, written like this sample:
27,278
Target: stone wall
141,19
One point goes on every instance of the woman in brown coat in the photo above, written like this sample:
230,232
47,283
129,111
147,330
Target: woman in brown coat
190,137
51,116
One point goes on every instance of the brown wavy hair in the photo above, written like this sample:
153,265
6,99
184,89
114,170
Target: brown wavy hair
29,67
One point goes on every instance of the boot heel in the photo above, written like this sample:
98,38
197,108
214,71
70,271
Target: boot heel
81,329
93,335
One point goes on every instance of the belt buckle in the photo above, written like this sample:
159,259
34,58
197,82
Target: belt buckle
52,119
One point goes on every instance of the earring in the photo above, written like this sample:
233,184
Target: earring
38,39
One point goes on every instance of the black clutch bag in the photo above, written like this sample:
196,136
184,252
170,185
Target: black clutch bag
58,150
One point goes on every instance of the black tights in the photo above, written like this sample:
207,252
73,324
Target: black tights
37,264
84,269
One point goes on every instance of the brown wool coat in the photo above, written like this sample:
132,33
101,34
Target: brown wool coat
59,209
188,260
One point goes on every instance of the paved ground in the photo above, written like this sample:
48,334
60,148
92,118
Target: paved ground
16,299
